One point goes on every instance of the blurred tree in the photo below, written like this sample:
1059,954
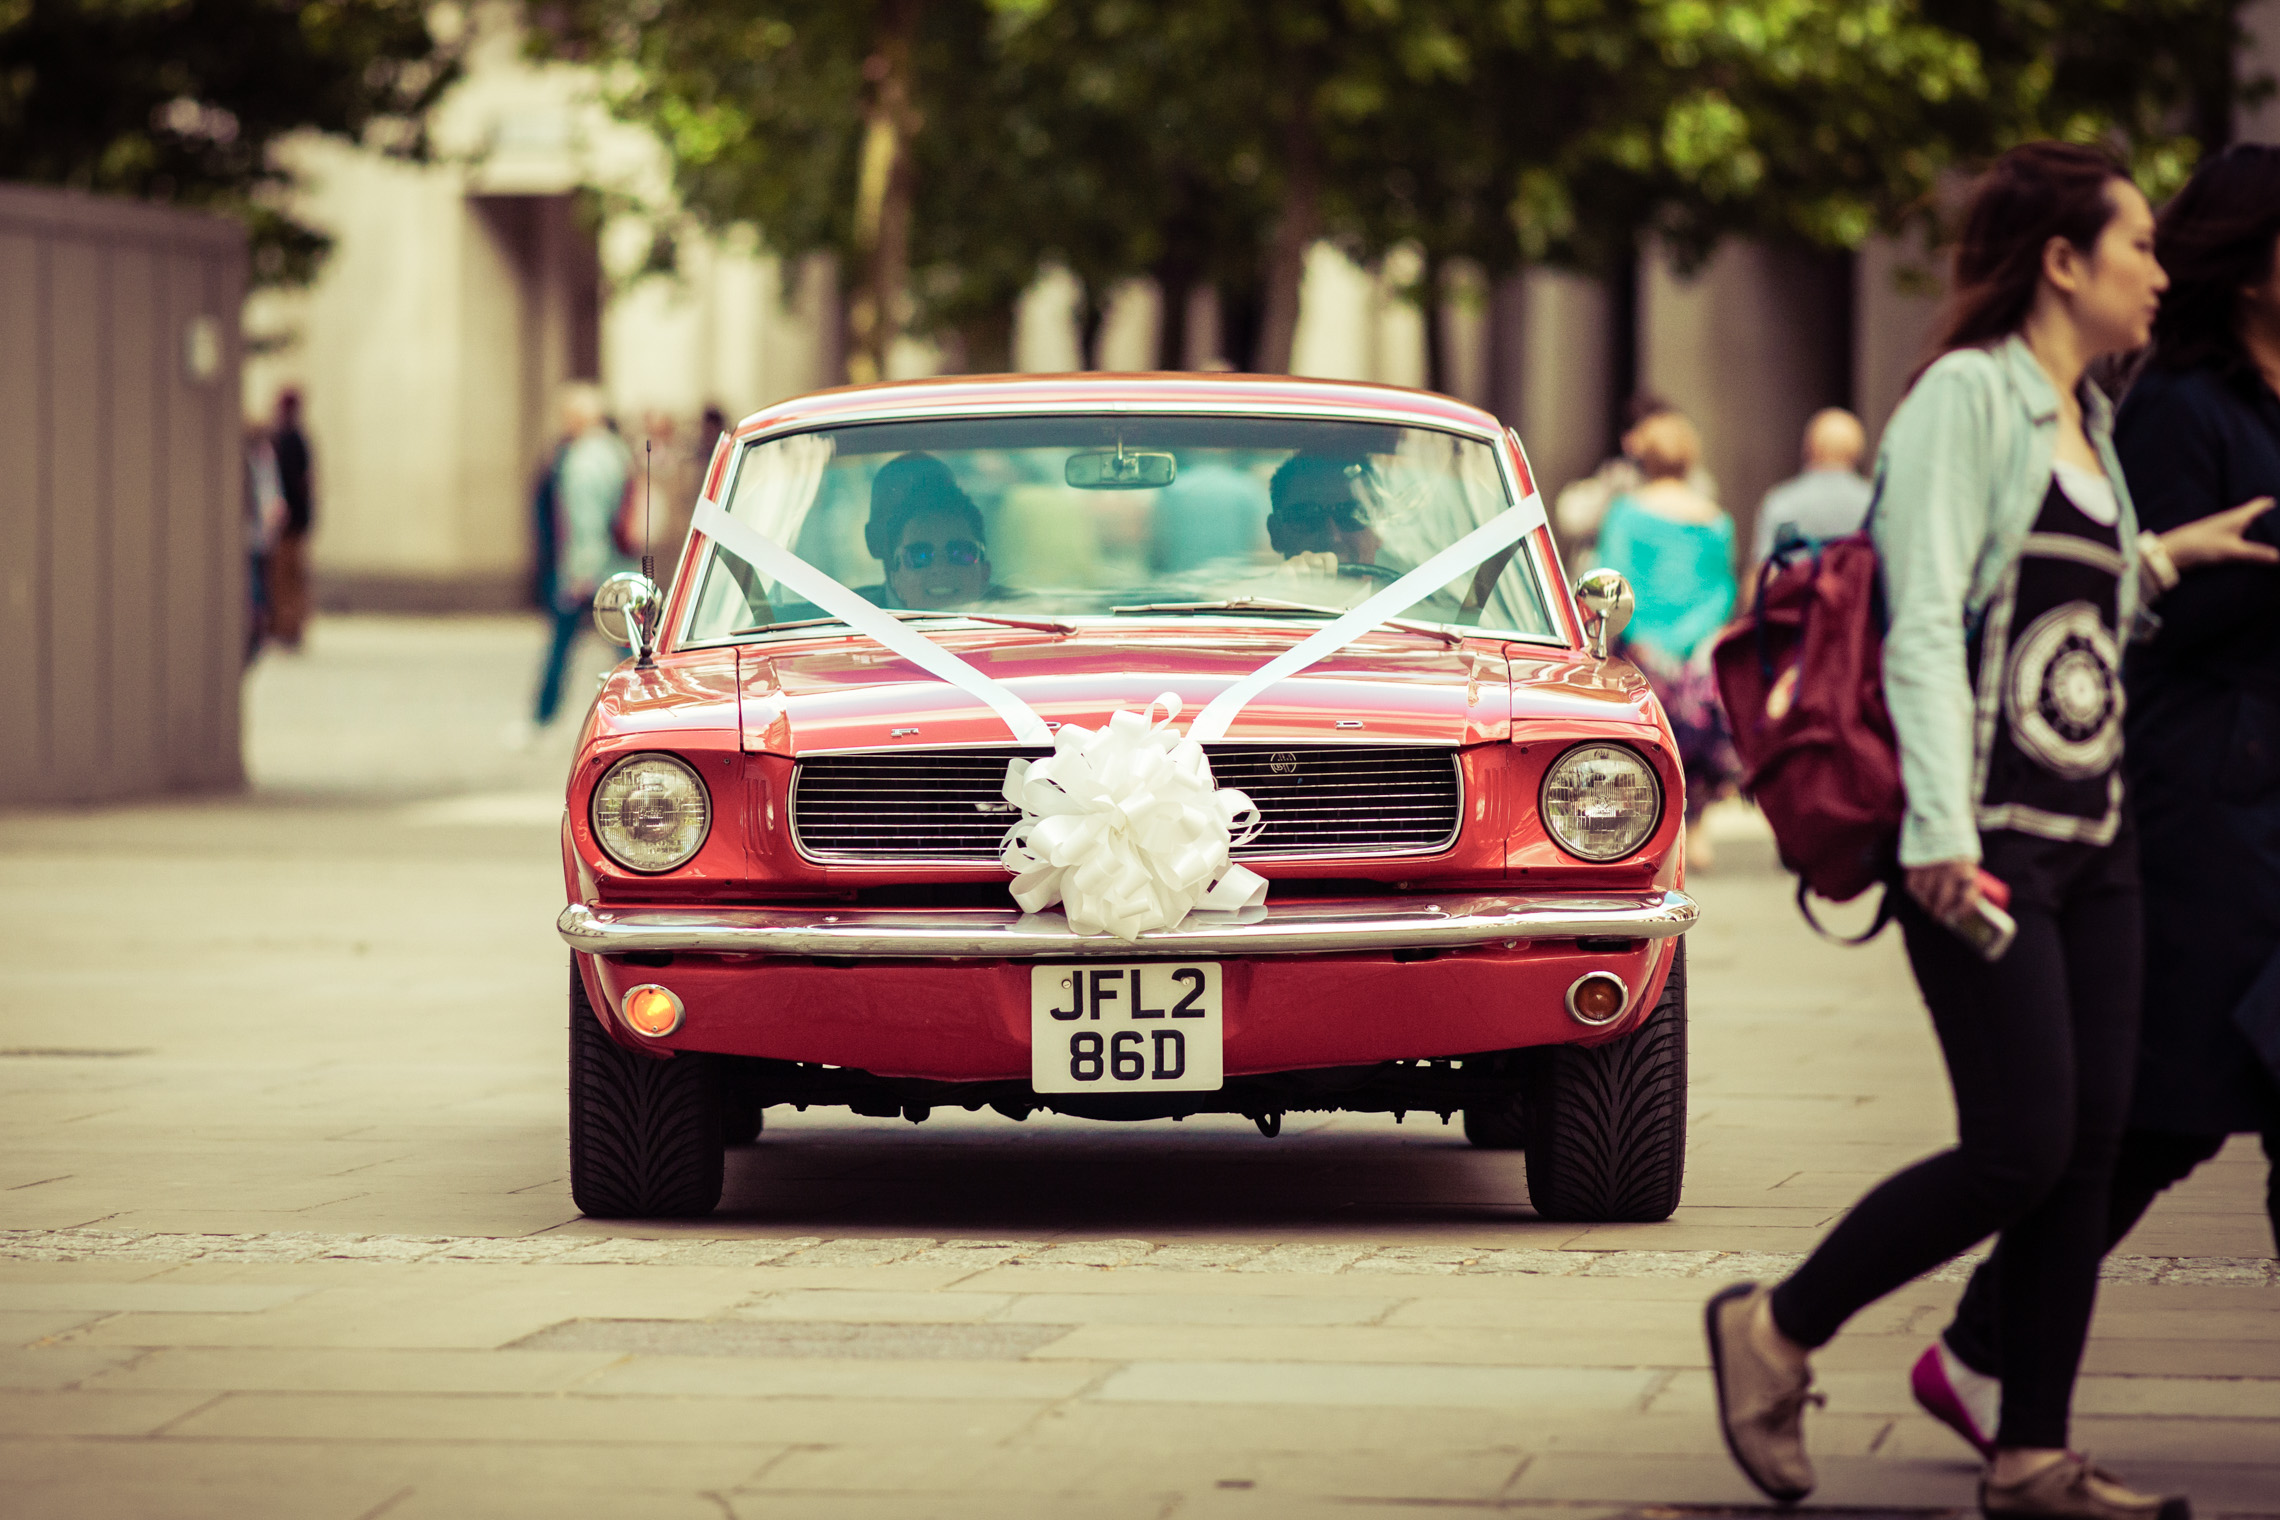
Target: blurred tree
944,150
182,100
876,132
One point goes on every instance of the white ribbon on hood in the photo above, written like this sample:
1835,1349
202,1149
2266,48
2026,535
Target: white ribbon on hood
1125,828
1470,552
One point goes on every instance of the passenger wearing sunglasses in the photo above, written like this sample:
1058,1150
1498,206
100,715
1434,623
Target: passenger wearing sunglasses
1319,519
928,533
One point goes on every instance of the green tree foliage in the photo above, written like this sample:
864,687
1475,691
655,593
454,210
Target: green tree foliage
1199,141
182,100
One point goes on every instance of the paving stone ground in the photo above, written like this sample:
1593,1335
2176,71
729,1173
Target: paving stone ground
284,1228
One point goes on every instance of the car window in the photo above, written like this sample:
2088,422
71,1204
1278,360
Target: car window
1116,516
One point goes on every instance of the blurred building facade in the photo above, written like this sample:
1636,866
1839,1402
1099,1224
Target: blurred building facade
463,293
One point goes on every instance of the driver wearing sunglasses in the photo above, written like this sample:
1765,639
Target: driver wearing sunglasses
928,533
1318,517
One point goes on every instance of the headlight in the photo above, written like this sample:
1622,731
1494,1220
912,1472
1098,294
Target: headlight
651,812
1601,801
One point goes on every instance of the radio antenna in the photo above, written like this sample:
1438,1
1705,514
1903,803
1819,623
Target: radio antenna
648,474
646,658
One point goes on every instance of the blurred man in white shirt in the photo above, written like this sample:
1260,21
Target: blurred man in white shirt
1828,499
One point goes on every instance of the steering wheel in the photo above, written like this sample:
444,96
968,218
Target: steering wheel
1365,572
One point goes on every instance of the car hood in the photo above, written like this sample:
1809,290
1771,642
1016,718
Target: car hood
1388,687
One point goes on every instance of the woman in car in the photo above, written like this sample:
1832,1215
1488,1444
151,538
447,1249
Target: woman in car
928,533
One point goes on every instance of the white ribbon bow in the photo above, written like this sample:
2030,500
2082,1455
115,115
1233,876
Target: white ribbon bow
1124,826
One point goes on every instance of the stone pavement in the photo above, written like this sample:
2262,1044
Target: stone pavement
284,1228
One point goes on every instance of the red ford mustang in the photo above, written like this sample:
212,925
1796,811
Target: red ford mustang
782,846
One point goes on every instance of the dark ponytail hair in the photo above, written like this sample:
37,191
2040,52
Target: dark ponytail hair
2035,192
2215,238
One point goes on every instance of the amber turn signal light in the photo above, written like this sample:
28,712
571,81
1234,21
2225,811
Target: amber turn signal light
651,1010
1598,997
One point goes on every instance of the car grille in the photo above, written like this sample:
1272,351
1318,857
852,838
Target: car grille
947,805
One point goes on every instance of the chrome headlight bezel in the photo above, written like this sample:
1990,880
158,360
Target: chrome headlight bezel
609,829
1584,849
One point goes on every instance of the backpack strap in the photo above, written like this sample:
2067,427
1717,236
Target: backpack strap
1887,909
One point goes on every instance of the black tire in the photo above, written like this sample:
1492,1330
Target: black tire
1500,1124
645,1134
1606,1125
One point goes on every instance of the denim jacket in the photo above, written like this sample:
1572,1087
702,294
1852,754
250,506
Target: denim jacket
1960,479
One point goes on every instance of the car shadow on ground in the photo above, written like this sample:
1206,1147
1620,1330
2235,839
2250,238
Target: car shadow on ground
980,1173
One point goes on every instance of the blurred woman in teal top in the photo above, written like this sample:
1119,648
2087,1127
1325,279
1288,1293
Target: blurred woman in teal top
1676,548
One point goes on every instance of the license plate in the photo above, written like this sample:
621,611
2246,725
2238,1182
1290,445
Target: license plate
1147,1028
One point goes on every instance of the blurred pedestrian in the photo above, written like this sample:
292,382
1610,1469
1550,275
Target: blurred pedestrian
2199,432
1582,505
2012,566
709,430
1828,499
264,520
1676,548
289,555
590,480
546,528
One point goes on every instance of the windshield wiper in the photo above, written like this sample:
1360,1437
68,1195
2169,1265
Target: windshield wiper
1285,609
1038,625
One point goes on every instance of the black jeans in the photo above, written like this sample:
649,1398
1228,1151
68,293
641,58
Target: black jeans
2040,1048
2150,1160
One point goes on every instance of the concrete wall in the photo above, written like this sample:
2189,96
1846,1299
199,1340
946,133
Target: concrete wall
122,498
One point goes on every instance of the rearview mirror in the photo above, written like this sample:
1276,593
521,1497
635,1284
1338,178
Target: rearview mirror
625,610
1606,602
1120,469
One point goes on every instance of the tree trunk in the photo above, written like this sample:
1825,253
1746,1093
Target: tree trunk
1092,312
884,190
1175,284
1295,231
1240,310
985,342
1429,294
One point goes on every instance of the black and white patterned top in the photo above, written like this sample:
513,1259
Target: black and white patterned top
2046,666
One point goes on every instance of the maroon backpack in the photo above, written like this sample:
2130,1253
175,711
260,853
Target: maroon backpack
1802,678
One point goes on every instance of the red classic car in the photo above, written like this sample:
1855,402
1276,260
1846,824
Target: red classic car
782,846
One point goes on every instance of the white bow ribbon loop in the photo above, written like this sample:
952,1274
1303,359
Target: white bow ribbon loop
1124,826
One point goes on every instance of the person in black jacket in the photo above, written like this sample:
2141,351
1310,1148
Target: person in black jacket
2198,432
289,557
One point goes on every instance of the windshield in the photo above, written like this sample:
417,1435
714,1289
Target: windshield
1105,517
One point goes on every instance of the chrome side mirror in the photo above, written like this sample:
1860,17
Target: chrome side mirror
626,609
1607,604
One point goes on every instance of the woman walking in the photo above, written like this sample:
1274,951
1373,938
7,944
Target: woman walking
1676,548
2199,431
2012,568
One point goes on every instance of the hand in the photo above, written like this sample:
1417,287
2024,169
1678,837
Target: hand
1946,888
1311,562
2221,537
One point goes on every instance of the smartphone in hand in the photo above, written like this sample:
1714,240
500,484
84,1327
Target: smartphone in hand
1985,926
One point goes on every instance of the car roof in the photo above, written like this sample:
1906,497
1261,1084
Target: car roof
952,394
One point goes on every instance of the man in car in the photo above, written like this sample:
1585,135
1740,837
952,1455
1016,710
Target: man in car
1318,518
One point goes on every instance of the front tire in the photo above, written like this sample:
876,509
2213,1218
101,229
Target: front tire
1606,1124
645,1134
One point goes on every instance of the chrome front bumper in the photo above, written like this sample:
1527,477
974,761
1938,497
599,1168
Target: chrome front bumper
1008,934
